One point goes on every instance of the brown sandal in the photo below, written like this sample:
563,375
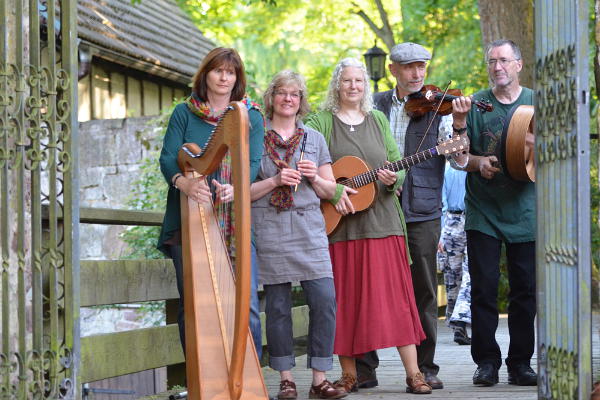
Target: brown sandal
416,384
347,383
326,391
287,390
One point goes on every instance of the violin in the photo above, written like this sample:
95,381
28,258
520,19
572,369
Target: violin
429,97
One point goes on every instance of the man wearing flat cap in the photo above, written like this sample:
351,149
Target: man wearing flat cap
420,197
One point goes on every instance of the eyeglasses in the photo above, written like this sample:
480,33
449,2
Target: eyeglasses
503,61
293,95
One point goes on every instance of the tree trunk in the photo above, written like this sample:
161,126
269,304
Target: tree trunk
510,19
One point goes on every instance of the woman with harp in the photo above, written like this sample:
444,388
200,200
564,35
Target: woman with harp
219,80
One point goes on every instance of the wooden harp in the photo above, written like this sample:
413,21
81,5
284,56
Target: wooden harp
221,361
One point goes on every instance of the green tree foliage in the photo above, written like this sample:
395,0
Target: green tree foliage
450,29
311,37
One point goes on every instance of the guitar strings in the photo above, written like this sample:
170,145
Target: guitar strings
371,176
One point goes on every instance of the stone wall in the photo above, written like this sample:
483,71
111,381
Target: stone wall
110,156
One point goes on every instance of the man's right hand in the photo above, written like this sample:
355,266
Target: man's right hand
487,166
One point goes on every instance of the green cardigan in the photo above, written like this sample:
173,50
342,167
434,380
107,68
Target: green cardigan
322,121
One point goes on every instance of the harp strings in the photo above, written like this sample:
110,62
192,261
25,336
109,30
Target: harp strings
226,220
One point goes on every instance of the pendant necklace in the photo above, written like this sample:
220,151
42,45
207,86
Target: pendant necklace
350,123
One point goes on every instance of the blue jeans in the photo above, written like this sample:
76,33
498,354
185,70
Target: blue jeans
320,297
255,328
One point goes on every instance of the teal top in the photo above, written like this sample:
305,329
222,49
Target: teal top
186,127
500,207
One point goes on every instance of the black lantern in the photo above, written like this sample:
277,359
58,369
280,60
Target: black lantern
375,60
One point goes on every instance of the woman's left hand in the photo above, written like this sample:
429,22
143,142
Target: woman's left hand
224,191
386,176
308,169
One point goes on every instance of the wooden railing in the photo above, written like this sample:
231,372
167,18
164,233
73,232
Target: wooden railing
135,281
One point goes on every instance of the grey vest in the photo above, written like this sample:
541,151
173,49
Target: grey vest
421,197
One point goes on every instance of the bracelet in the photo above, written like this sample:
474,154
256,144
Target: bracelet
459,131
462,167
339,190
175,181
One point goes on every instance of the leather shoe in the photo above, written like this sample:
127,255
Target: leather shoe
416,384
461,337
522,375
367,382
326,390
347,383
287,390
486,375
433,381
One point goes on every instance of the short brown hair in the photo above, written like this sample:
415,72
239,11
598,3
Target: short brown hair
214,59
286,78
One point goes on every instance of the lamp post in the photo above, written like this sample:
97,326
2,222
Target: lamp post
375,60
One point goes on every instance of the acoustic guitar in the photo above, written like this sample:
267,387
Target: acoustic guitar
353,172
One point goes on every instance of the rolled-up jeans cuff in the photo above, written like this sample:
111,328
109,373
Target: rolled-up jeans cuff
319,363
284,363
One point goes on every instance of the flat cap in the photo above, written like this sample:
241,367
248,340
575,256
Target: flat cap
406,53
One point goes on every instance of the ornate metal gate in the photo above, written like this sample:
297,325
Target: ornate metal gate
563,190
39,285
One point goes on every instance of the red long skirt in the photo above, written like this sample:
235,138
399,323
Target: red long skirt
375,299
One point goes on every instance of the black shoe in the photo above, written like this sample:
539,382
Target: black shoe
486,375
461,337
433,380
367,382
370,383
522,375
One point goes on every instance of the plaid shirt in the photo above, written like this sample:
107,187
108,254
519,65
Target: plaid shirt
399,121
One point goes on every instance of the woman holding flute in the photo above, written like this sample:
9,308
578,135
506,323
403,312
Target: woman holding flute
295,174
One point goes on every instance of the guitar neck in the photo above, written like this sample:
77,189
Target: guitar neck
407,162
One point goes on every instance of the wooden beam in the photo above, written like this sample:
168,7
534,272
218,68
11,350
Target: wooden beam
109,216
115,354
127,281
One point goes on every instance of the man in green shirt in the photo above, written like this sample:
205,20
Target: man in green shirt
499,210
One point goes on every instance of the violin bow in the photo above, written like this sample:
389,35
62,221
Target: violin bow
435,113
301,153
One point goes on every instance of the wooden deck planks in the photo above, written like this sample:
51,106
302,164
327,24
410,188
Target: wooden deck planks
456,371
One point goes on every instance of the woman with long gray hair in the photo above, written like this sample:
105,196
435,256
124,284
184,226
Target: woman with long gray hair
371,269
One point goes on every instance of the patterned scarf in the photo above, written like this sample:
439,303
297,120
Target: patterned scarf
282,197
224,211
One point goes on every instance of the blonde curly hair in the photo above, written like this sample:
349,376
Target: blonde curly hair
287,78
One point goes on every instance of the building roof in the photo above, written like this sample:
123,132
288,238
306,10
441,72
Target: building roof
155,36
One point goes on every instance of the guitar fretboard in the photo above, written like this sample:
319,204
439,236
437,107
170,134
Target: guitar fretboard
371,176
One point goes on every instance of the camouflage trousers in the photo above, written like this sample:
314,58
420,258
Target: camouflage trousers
453,262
